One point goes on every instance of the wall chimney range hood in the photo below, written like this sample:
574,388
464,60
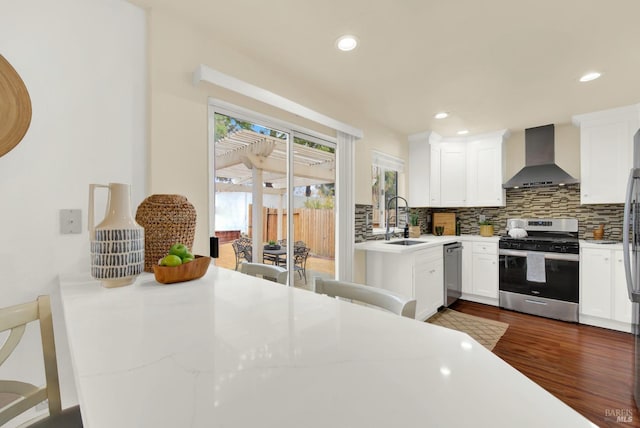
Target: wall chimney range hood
540,167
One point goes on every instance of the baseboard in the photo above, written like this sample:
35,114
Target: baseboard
604,323
480,299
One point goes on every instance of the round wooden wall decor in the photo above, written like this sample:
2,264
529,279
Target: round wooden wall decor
15,107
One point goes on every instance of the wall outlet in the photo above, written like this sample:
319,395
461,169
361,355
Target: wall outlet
70,221
482,217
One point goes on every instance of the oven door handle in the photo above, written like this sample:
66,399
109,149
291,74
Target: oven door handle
547,256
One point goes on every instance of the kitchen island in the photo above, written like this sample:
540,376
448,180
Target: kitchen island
229,350
417,270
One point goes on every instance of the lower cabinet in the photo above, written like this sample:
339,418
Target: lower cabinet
604,301
417,274
480,272
428,281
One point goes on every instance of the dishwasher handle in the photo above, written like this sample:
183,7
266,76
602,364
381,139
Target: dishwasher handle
451,248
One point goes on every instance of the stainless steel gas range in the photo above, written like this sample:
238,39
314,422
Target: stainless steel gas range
539,267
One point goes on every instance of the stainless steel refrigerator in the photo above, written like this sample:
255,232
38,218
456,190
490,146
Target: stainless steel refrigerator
631,248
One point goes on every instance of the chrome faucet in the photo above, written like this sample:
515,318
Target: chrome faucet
387,234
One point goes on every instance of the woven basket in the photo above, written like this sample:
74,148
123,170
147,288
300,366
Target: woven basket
167,220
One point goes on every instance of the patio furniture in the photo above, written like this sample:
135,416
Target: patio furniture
274,256
300,255
242,250
270,273
367,294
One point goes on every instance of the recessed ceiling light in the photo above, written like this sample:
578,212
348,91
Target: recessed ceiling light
463,132
347,43
590,76
441,115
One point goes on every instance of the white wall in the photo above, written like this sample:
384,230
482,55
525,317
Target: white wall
83,62
179,110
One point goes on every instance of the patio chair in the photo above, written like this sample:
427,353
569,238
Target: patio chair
379,297
242,250
268,272
300,255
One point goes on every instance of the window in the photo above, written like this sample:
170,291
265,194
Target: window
384,179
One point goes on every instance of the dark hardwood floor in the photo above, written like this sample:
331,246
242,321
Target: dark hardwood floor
589,368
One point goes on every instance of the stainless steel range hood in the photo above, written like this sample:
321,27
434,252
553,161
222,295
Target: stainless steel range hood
540,167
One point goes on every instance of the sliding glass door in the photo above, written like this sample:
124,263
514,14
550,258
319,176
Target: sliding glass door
314,212
253,166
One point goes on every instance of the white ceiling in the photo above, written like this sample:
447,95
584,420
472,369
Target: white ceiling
492,64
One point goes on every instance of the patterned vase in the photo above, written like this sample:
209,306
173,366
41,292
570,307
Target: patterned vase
117,243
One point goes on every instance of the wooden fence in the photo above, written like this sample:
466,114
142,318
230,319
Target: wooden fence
316,227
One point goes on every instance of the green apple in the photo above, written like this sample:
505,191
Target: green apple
188,256
170,260
187,260
179,250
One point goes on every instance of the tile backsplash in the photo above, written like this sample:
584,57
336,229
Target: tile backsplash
541,202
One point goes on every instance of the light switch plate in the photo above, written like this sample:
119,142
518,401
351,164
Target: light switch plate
70,221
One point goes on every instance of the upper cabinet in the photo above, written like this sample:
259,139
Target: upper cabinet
485,172
606,153
461,172
419,176
453,170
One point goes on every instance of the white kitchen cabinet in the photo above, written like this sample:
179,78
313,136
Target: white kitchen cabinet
418,274
434,174
603,291
485,173
467,267
480,271
453,178
466,171
596,268
428,282
606,150
622,306
448,175
419,170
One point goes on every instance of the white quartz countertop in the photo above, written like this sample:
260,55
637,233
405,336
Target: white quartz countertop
603,244
229,350
428,241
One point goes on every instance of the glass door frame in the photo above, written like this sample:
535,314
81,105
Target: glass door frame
228,109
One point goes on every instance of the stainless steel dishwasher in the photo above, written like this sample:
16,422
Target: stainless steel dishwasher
452,272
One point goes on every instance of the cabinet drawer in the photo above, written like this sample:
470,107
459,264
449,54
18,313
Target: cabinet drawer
485,247
428,255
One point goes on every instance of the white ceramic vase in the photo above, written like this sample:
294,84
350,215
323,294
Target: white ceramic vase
117,243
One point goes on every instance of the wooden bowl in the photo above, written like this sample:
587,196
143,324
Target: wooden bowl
186,272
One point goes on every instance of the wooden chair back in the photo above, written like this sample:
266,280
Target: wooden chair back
15,319
366,294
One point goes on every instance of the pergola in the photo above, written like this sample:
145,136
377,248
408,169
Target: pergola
247,161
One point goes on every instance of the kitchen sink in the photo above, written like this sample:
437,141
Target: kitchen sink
406,242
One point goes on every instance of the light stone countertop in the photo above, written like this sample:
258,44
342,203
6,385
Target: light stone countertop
603,244
230,350
429,241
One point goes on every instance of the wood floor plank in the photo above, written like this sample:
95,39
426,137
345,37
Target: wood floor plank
588,368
